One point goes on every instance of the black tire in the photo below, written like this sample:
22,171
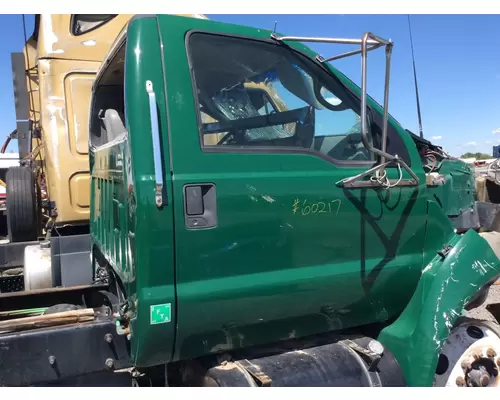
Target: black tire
61,308
22,221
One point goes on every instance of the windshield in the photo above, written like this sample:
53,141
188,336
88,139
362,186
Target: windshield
83,23
254,93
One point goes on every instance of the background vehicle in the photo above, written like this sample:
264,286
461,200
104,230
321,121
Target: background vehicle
50,203
52,82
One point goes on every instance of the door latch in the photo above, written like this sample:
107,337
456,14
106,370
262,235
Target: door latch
200,206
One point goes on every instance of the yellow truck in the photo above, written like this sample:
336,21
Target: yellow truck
47,206
60,59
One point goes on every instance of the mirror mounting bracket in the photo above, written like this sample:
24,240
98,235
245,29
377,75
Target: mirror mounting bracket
368,42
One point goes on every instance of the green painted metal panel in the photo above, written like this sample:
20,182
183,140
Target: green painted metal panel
271,269
291,253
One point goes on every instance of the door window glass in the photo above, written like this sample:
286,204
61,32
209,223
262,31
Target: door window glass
255,94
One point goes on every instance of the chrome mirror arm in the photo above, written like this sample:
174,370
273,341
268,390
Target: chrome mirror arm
368,43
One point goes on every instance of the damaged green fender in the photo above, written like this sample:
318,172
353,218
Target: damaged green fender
445,287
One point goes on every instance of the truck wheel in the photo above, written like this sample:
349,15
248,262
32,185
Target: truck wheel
470,356
21,205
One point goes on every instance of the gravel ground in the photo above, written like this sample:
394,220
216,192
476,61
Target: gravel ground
481,312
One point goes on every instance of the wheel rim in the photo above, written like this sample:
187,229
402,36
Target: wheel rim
470,357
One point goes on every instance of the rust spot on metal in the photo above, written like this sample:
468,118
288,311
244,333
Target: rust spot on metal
485,380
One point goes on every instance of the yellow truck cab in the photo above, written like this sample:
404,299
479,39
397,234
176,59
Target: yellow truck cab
48,195
61,58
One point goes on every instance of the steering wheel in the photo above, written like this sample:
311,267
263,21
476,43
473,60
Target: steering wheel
353,140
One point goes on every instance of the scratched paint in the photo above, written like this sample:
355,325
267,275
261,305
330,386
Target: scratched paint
50,38
269,199
445,287
481,266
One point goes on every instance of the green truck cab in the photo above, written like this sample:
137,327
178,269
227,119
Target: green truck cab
258,220
259,237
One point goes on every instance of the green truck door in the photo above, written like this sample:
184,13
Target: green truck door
268,247
151,292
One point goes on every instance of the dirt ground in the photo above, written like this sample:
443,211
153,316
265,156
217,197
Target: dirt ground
481,312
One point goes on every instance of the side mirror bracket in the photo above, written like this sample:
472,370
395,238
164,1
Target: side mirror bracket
368,42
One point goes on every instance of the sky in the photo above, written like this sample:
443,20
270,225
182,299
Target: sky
12,34
457,60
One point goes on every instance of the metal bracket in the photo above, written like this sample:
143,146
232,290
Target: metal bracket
372,184
262,379
373,358
52,208
354,181
444,253
367,43
372,44
155,133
